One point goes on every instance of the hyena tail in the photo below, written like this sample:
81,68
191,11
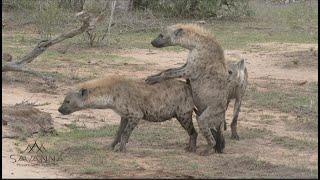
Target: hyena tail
218,136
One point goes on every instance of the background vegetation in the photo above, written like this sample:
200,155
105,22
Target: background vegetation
278,122
238,22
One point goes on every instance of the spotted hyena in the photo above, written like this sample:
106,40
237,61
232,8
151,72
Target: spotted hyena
238,81
208,75
133,101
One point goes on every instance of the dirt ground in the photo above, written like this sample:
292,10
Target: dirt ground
285,62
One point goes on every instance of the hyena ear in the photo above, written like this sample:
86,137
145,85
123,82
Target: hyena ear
178,32
83,92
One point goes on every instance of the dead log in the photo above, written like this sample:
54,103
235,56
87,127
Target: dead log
87,23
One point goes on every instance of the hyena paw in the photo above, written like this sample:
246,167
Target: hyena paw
119,148
110,147
190,148
235,136
206,152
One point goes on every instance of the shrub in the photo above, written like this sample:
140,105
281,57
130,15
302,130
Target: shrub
196,8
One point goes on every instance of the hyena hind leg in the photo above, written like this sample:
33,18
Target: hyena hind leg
234,133
186,122
203,121
220,141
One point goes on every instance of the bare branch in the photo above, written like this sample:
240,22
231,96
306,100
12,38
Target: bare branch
84,17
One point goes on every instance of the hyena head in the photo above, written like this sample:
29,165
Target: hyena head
185,35
74,101
237,71
167,37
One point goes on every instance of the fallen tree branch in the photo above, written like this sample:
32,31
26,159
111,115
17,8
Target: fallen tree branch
87,23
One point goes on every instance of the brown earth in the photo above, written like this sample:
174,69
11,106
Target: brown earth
280,61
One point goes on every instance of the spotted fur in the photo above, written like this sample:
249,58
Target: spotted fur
238,81
134,100
206,70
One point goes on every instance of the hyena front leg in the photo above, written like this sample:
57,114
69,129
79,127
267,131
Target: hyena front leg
225,122
186,122
236,110
168,74
120,130
132,123
205,130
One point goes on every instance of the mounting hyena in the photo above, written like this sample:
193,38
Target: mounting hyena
237,84
238,81
206,70
133,101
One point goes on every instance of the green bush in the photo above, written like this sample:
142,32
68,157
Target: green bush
50,19
196,8
18,4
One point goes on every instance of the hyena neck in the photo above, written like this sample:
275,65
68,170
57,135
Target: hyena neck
188,44
100,102
196,42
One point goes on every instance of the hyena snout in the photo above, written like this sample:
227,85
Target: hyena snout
159,42
64,111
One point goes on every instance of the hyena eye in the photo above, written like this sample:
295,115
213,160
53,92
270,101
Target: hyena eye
161,36
67,101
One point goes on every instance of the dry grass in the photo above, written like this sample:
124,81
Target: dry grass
156,150
277,125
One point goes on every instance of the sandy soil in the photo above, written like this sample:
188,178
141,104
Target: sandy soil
262,61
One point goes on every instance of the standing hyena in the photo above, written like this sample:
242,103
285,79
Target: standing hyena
238,81
206,70
135,100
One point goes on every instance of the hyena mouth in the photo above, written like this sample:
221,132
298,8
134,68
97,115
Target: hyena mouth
63,111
